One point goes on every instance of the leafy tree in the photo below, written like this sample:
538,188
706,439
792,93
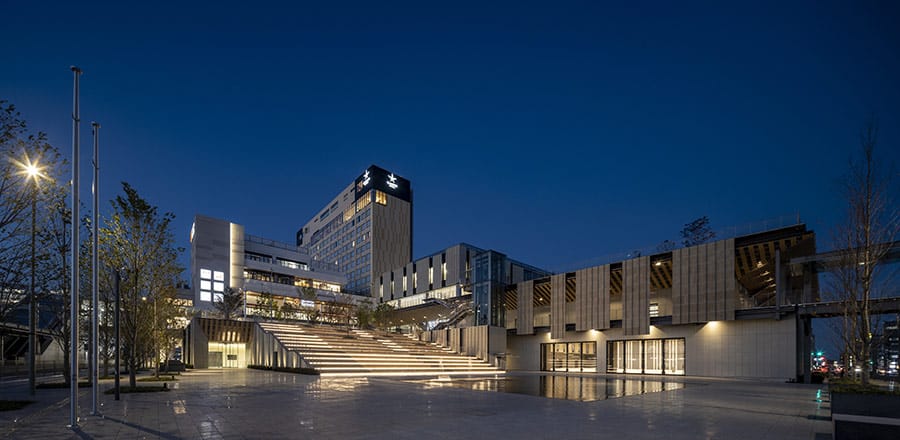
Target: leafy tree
230,303
365,315
311,313
137,239
863,241
697,232
381,315
266,305
290,310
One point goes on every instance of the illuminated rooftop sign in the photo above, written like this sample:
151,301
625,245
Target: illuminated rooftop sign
383,180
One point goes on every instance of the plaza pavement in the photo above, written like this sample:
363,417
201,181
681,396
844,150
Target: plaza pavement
251,404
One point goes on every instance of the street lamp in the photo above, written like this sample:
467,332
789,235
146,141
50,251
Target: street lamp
32,171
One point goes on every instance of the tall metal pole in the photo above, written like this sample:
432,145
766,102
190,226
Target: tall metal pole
32,305
73,318
118,344
95,356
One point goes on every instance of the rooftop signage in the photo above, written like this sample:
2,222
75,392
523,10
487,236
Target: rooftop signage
383,180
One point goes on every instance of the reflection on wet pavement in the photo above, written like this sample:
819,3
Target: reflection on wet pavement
579,388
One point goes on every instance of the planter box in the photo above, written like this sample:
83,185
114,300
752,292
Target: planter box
865,416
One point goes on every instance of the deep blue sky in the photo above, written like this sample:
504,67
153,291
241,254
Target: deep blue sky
556,132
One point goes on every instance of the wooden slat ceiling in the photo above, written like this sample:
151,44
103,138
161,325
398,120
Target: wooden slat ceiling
755,265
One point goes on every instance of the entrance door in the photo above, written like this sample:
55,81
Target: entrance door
215,359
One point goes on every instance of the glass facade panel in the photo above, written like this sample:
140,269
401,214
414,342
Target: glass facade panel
569,356
559,357
633,356
646,356
674,355
227,355
615,357
653,356
589,357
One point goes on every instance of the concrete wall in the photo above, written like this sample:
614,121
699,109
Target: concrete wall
703,283
210,249
558,305
421,275
482,342
264,347
636,295
761,348
592,298
525,311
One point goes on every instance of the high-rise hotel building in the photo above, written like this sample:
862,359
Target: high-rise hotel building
365,231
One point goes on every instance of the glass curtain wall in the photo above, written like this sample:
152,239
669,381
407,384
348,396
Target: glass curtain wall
571,356
674,355
633,356
615,357
646,356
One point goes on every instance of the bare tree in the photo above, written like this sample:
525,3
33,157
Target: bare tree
697,232
863,241
18,148
229,304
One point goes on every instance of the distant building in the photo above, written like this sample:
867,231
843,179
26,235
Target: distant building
268,273
365,231
887,350
460,273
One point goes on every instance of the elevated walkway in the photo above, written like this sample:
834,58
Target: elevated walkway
336,352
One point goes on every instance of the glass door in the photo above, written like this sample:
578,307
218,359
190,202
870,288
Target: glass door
653,361
633,356
674,356
615,357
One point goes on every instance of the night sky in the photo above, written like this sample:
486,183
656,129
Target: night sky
555,132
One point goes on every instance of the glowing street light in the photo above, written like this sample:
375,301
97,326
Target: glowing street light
32,171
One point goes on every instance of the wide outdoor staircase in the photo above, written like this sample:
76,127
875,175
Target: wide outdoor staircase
336,352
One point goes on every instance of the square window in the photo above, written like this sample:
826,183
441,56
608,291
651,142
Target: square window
205,274
217,297
219,276
205,295
219,287
205,285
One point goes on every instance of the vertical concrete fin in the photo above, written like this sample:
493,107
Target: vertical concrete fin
525,311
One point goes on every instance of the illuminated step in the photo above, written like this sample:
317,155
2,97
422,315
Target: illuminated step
411,368
392,361
412,373
428,356
373,365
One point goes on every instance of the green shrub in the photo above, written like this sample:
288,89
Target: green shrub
141,389
301,370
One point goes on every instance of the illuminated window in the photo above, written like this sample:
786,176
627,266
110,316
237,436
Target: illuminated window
205,285
205,295
431,275
219,276
219,287
363,202
205,274
654,310
380,198
444,271
217,297
348,213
